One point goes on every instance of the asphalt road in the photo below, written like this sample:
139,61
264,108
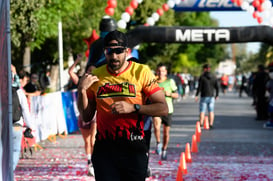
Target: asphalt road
238,148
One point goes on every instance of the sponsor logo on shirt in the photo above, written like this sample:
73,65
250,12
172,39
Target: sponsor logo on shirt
124,89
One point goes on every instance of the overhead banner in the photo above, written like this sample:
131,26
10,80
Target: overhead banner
187,34
207,5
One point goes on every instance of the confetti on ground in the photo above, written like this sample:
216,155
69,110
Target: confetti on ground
66,162
237,149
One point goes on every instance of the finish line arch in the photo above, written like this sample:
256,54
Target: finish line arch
207,35
187,34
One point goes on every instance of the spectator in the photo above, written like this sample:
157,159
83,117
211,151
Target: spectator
24,78
20,116
243,86
259,89
206,86
170,90
238,82
116,91
250,87
33,85
44,80
269,86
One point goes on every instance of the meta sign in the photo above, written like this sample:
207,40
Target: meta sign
207,5
208,35
202,35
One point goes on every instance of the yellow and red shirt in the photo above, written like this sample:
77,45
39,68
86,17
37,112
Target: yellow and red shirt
133,85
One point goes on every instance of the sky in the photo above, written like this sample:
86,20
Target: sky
237,18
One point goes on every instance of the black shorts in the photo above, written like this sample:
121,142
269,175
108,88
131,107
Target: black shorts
120,166
166,120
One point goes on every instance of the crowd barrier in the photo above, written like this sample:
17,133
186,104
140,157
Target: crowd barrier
53,114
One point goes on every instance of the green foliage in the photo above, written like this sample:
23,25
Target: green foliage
194,19
265,54
33,22
182,63
23,21
250,65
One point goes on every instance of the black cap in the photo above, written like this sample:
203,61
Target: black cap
108,24
206,66
120,37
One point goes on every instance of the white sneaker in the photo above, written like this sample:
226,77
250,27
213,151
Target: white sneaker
91,170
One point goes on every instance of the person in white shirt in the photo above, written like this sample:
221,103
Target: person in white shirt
17,132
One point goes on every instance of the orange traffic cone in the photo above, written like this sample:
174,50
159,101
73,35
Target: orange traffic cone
198,131
183,163
206,123
194,147
188,153
179,176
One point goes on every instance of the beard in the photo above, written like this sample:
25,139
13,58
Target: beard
115,64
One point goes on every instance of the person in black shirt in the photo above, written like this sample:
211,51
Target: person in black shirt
209,89
259,90
243,87
96,56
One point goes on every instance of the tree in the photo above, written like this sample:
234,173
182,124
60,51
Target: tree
23,26
265,54
32,22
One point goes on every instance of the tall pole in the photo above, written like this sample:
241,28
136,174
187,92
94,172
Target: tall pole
61,66
6,155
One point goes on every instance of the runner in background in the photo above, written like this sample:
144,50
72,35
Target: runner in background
224,83
171,92
209,91
88,129
96,56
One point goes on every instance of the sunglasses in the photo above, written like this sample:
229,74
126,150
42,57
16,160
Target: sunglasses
110,51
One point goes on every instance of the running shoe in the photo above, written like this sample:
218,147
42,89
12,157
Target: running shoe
164,155
91,170
158,148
